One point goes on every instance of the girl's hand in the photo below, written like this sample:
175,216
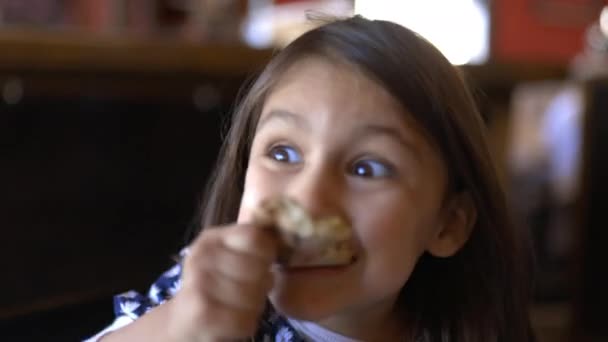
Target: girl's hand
225,282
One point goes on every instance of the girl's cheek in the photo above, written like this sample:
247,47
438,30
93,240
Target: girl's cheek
394,230
375,233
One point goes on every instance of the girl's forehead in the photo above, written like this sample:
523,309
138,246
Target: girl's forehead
327,68
315,80
318,84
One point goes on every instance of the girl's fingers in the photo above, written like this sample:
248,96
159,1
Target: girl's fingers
238,266
226,279
254,241
246,257
247,239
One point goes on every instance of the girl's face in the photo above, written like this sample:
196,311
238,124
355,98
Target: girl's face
339,143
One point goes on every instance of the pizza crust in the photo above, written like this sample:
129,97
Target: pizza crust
306,242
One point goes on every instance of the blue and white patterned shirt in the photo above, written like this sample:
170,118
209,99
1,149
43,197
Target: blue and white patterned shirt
131,305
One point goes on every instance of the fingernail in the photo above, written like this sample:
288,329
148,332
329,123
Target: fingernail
237,241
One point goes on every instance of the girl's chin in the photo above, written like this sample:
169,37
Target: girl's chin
303,309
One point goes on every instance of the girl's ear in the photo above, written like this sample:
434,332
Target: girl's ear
456,224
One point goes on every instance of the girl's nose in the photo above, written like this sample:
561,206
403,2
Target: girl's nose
320,190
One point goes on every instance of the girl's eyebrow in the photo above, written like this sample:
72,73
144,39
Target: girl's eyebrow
363,131
287,116
392,133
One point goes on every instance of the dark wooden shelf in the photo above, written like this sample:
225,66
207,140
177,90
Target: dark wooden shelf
76,51
498,75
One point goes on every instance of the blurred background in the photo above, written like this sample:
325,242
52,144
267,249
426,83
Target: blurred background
111,113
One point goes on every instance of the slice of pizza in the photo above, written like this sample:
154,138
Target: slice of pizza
306,242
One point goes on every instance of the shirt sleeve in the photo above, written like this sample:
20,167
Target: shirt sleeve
131,305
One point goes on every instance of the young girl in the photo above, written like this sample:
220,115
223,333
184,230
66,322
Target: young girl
366,120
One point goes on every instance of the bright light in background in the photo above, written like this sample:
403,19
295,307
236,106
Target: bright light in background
458,28
604,21
269,24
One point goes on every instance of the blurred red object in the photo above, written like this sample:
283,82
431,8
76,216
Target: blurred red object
546,31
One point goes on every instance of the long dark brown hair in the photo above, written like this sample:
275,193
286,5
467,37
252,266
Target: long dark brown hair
480,294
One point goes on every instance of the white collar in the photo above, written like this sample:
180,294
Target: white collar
315,333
